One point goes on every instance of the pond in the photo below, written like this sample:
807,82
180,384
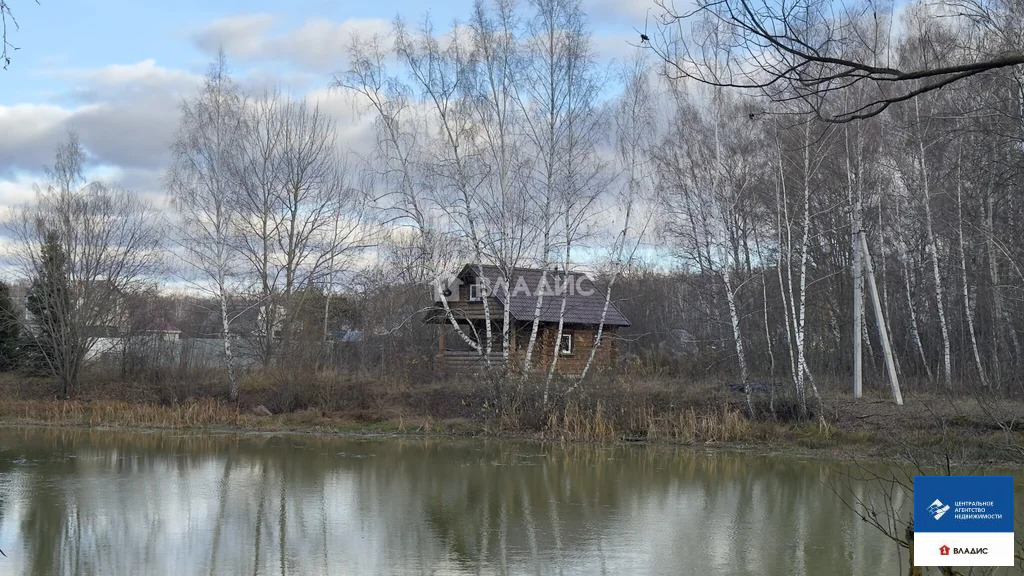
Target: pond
110,502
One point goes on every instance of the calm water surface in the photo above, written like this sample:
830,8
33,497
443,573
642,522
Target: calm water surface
101,502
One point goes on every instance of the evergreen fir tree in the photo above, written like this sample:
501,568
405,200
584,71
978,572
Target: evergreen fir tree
10,330
49,303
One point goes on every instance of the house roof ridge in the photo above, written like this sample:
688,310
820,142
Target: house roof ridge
584,304
522,268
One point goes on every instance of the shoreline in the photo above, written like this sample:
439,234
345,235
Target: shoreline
788,451
812,439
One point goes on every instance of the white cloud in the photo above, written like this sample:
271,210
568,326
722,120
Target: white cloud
145,74
239,36
146,183
125,116
18,190
614,47
318,44
354,124
322,44
135,136
127,120
30,132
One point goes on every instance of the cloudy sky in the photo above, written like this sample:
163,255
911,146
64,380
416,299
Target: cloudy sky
116,71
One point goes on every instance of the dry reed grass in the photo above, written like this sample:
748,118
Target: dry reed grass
200,413
690,426
612,410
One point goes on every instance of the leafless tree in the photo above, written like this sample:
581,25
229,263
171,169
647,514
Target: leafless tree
501,210
297,217
87,245
783,198
320,219
564,125
708,167
635,123
203,191
427,178
256,200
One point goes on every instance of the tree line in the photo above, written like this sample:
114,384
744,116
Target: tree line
719,194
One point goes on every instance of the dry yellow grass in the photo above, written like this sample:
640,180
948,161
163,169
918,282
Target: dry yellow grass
667,412
687,427
199,413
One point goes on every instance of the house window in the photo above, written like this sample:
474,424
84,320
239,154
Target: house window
566,348
476,292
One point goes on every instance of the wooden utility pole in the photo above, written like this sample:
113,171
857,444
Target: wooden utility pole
883,331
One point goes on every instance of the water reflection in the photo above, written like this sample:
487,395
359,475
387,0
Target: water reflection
96,502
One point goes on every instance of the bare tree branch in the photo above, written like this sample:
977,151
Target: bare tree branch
810,49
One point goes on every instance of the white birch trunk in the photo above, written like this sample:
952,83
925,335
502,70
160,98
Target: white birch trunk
764,299
785,248
485,297
934,253
968,308
767,329
506,328
535,326
915,333
229,359
724,215
800,310
885,280
450,316
600,332
558,339
999,314
737,337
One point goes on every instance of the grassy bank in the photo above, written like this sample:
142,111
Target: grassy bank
930,427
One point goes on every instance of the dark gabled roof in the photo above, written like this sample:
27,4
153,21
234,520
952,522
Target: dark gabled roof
584,302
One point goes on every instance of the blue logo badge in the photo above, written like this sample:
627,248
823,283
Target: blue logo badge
963,503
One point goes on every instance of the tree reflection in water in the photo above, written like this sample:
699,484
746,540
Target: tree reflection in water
101,502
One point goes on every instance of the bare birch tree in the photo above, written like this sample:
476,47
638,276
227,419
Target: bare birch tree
634,124
429,187
314,200
201,182
965,283
491,100
298,217
552,53
453,161
707,169
559,94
